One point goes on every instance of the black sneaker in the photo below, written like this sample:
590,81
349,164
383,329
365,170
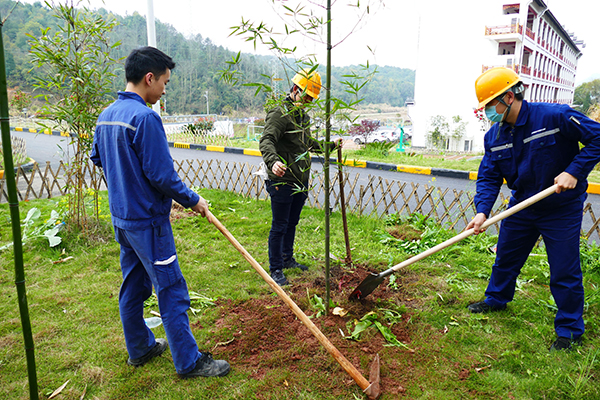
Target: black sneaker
564,343
279,277
159,348
207,367
292,263
483,307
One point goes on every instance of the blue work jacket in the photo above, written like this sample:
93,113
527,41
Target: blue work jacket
543,143
131,147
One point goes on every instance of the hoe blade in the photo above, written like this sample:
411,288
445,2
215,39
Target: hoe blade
367,286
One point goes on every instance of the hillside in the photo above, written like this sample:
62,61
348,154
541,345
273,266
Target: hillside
198,64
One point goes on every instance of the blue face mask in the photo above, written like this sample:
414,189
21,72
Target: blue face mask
492,115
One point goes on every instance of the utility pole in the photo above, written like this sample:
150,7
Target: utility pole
151,29
206,95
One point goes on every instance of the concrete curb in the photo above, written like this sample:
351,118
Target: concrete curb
593,188
26,167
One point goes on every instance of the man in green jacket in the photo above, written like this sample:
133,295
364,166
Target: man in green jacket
285,146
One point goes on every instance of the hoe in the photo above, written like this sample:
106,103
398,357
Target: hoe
371,282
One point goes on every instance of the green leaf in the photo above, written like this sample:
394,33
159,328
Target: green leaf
389,336
32,216
54,240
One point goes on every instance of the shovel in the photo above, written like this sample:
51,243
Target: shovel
371,389
371,282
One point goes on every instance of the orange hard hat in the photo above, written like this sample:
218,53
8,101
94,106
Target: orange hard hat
309,81
494,82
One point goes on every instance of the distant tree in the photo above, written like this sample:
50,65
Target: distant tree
586,95
363,129
594,112
438,133
458,128
227,110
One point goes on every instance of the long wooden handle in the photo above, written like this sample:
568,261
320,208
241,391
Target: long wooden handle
504,214
350,369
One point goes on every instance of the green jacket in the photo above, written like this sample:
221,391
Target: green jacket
287,138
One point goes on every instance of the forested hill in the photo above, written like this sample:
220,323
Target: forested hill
198,64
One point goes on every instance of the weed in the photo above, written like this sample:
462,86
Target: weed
375,150
199,302
371,319
392,283
431,236
590,257
482,243
584,375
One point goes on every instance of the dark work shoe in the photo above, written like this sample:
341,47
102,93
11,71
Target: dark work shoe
483,307
565,343
292,263
207,367
279,277
159,348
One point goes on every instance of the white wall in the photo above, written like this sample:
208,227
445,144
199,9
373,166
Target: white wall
452,49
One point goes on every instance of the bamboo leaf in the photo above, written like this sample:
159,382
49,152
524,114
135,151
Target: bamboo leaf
57,391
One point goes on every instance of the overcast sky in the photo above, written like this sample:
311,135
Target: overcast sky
391,29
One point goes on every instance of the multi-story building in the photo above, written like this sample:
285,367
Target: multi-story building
539,49
523,35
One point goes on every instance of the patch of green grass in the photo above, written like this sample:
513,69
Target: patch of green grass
455,354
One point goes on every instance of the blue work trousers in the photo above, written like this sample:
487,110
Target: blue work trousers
286,207
148,258
560,228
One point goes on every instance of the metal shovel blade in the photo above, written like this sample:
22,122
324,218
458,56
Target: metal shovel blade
374,390
367,286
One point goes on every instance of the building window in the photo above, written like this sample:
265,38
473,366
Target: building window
468,145
511,9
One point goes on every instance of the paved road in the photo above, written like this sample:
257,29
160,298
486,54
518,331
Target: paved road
44,148
53,148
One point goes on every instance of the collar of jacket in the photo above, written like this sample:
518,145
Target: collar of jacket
293,110
131,96
521,120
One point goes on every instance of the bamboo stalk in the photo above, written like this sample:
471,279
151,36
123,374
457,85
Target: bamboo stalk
9,175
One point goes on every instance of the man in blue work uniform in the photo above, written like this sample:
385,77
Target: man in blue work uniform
131,147
533,146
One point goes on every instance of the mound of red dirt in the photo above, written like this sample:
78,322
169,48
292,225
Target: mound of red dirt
265,333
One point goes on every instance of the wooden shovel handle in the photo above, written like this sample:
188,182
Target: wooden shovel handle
331,349
504,214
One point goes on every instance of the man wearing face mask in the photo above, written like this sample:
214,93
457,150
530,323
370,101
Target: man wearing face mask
285,146
533,146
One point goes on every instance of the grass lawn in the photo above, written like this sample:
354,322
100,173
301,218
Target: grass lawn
441,351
